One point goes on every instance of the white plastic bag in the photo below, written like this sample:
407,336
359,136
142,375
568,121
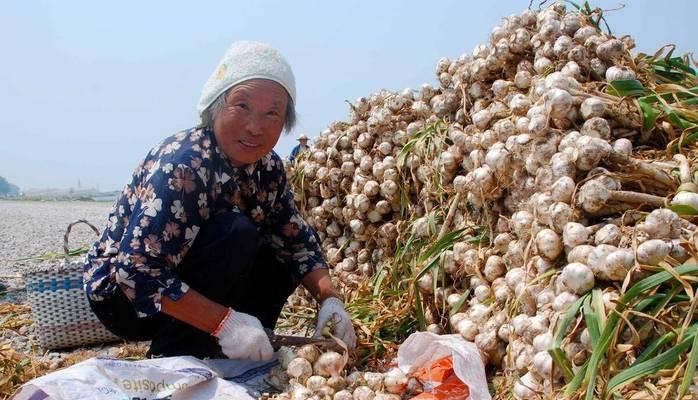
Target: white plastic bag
162,378
424,348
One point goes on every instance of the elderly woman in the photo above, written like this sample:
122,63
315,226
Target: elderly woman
205,244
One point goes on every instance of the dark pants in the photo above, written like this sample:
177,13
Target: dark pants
225,264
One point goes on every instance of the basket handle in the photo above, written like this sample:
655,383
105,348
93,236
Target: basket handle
70,227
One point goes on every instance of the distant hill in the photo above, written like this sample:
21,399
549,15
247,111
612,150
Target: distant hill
8,189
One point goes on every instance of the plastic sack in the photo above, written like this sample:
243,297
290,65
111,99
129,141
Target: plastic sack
441,382
162,378
430,357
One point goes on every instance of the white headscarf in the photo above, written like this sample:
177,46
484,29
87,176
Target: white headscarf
245,61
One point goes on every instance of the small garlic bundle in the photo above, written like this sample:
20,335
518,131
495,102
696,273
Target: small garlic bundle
328,381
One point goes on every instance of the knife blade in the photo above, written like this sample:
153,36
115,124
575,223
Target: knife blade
287,340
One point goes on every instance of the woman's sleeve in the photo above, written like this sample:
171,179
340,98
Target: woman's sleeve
169,208
294,241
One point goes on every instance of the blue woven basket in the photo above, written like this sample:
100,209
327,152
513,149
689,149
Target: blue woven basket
60,308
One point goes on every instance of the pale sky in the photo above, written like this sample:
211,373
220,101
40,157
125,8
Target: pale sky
88,87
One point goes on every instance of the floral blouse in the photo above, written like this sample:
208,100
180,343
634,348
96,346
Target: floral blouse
184,181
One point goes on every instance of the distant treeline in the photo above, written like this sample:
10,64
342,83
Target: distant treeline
69,196
8,189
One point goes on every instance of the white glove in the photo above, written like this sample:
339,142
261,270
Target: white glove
332,309
242,337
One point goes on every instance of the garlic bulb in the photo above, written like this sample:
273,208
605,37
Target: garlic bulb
395,381
374,380
687,199
299,368
494,268
564,300
652,252
663,224
543,342
619,73
580,254
617,264
574,234
558,103
329,364
592,107
522,79
355,378
468,329
482,292
610,49
562,189
609,234
315,382
336,382
455,319
343,395
578,277
479,312
364,393
299,392
596,127
521,223
543,364
548,244
481,119
590,151
527,387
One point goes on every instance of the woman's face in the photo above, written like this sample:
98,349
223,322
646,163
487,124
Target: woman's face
251,122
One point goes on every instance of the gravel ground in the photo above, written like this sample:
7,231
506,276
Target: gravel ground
34,228
31,228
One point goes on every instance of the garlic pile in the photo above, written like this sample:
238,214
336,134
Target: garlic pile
309,374
519,138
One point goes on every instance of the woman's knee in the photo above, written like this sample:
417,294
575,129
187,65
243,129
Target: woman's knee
119,317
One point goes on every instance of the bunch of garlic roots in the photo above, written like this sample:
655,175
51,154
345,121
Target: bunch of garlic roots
521,139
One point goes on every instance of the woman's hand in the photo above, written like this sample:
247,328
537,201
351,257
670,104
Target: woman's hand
332,309
332,312
241,336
